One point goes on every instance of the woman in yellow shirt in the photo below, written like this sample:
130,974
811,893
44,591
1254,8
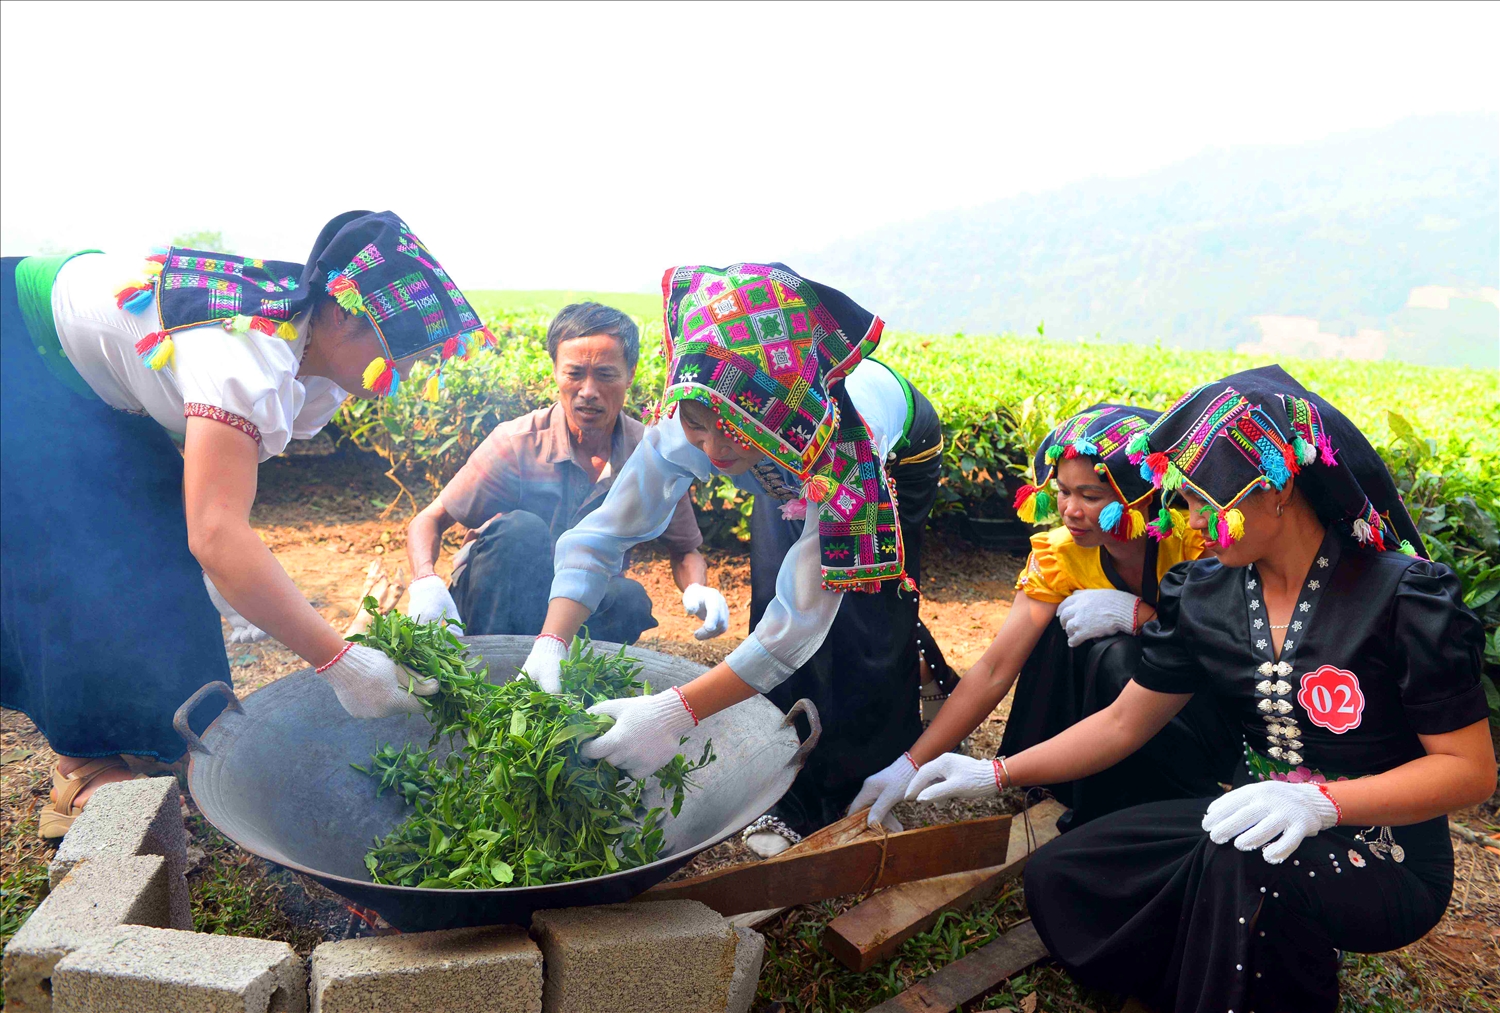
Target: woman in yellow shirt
1097,575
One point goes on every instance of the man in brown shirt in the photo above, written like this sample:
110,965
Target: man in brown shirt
537,476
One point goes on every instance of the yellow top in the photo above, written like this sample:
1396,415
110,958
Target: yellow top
1058,566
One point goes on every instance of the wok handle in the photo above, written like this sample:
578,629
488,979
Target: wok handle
180,719
806,707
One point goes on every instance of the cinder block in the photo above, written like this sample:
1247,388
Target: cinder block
147,970
480,970
674,956
132,818
98,895
747,961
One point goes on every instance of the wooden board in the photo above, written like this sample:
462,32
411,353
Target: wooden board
874,930
870,862
850,828
974,975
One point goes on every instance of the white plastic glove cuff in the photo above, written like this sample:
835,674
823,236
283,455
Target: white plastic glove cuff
370,685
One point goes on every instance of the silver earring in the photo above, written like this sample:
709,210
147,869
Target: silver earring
1278,509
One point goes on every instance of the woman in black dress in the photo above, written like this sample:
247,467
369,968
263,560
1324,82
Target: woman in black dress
1353,670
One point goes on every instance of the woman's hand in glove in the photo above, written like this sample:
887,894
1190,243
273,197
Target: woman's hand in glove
1257,813
370,685
544,663
430,599
1097,612
709,605
884,789
647,732
241,630
954,776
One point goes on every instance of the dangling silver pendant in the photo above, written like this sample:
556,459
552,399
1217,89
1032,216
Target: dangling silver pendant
1398,852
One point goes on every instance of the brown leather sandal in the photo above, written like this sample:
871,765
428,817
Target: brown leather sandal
57,817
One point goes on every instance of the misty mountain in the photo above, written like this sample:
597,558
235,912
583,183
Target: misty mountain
1380,243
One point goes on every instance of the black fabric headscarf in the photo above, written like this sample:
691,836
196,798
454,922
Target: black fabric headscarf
370,262
1257,429
1103,433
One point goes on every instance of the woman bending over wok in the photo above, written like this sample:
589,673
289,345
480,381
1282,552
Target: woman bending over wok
1353,671
757,390
117,549
1098,574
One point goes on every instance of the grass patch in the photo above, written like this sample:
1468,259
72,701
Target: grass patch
236,894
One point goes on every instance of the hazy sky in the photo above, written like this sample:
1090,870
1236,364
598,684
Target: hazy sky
590,146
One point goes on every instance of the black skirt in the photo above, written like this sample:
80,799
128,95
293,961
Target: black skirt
865,678
1143,903
1061,685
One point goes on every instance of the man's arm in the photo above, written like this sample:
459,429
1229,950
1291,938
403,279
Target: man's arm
688,568
424,538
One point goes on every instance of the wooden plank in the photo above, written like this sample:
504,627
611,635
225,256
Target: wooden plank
974,975
864,864
850,828
874,930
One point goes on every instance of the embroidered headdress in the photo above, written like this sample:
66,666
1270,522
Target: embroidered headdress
1257,429
370,262
1101,433
767,350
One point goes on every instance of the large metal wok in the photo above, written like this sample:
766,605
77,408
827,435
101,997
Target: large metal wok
272,774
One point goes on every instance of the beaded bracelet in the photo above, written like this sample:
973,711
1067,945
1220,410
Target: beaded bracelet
1337,809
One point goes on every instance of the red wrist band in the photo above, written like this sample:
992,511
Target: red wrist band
425,576
691,713
552,636
1337,809
914,764
999,784
329,664
1135,617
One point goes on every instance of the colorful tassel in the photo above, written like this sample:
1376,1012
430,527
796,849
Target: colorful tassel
1055,453
134,297
1236,524
1110,517
1326,451
1025,503
817,488
1083,448
1135,524
433,387
286,331
1306,452
1154,467
346,292
1046,507
155,349
1173,477
1138,447
1161,527
380,377
1180,523
1408,548
451,347
1362,532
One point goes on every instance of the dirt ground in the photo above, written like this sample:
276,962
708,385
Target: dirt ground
321,516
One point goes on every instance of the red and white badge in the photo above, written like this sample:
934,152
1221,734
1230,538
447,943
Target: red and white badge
1332,698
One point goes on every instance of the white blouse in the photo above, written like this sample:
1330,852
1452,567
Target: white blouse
233,378
640,504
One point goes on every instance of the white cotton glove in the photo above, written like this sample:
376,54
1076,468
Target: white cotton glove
1258,812
953,776
883,790
647,732
429,600
370,685
241,630
708,605
544,663
1097,612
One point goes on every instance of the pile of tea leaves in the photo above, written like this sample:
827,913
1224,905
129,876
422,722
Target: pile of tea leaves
514,803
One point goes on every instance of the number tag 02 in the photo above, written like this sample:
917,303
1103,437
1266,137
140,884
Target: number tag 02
1332,698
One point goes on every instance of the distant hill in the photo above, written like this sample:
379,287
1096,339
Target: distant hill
1381,243
549,301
